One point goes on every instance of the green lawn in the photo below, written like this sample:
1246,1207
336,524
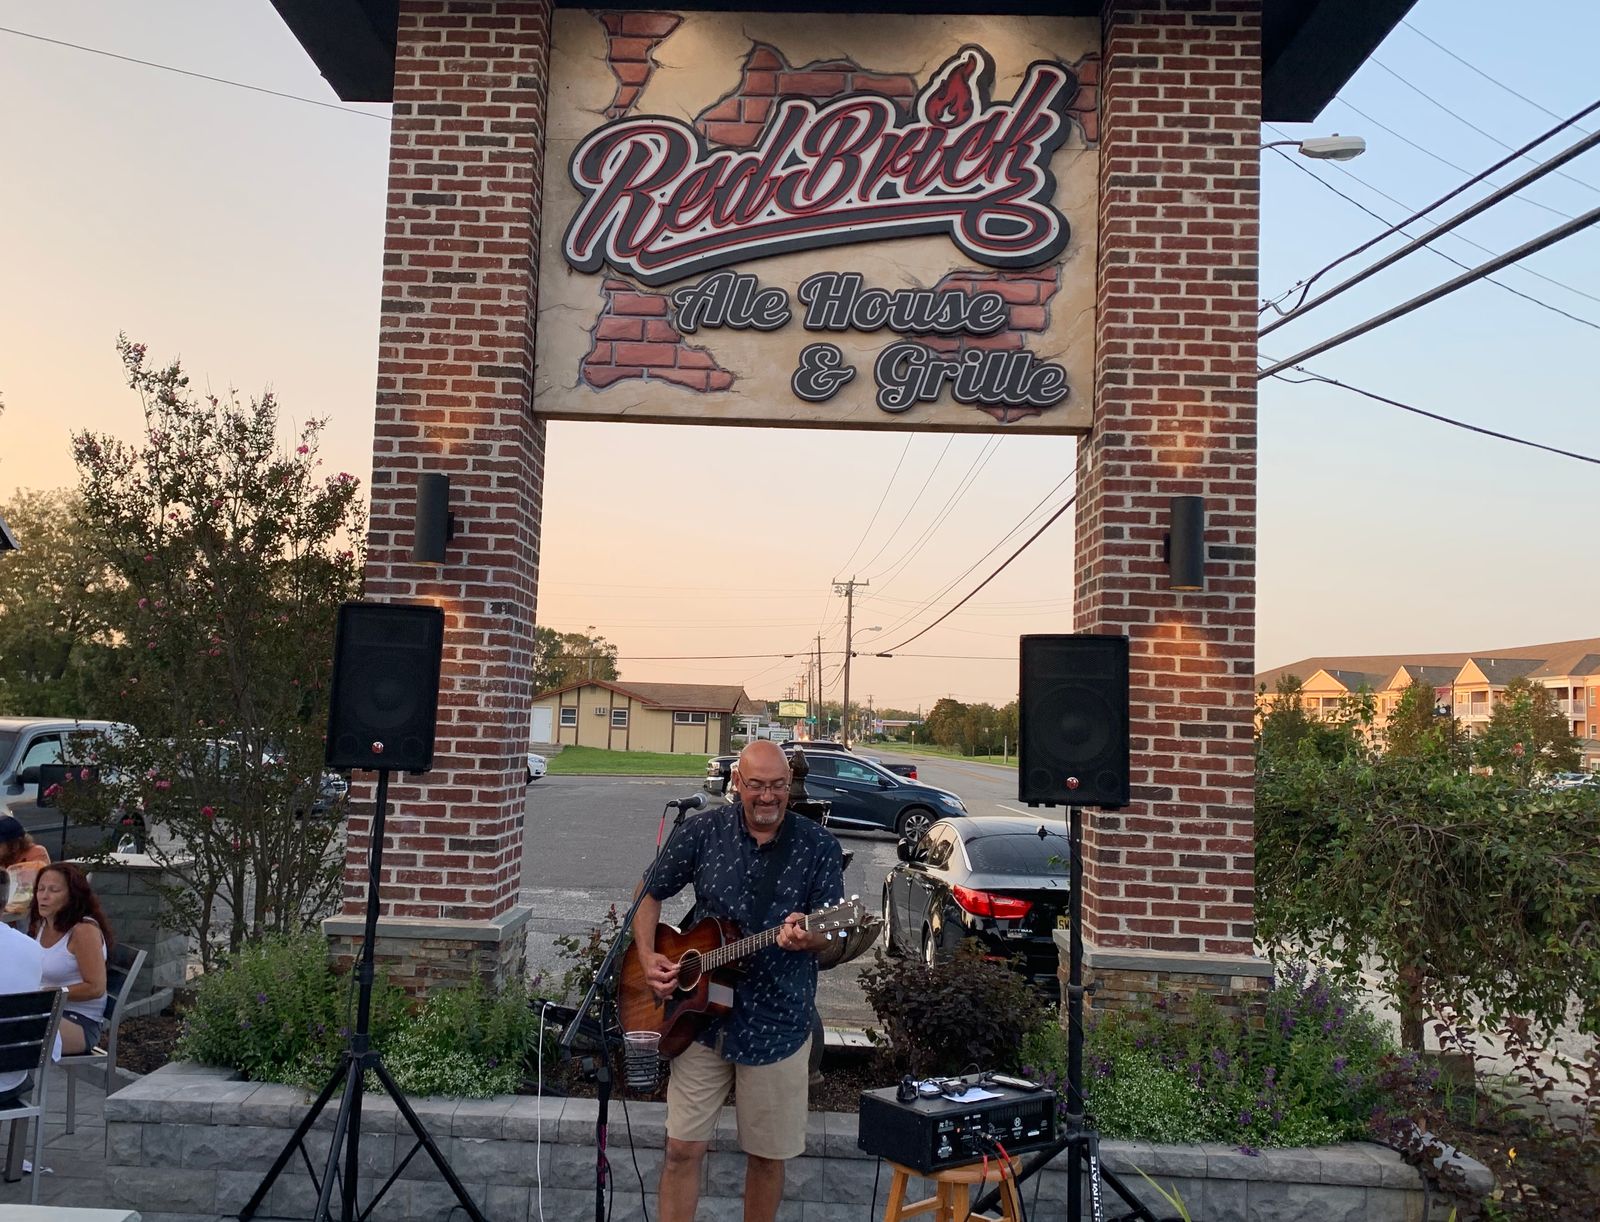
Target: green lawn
591,761
941,752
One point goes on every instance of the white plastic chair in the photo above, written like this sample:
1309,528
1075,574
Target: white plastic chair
28,1023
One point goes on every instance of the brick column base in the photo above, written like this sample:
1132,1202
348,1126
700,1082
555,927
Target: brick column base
1132,979
418,953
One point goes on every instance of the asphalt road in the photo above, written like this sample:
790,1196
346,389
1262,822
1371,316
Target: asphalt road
588,840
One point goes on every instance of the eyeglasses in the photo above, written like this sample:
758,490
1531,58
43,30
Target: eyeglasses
764,786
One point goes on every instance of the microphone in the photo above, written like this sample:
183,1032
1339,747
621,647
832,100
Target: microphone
693,802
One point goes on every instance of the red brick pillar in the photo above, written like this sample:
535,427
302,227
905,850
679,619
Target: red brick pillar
455,371
1168,898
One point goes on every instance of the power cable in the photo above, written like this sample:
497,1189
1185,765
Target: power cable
1427,152
1050,521
1532,246
874,519
1439,230
914,500
1304,286
956,580
1499,284
199,76
990,448
1493,80
1407,407
1428,97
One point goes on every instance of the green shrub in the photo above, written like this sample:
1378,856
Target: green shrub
277,1012
466,1043
969,1012
1309,1074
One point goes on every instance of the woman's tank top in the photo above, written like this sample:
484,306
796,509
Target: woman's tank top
61,970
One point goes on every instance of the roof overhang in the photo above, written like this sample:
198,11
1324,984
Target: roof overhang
1310,48
8,541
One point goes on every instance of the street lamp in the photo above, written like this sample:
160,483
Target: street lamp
1324,148
849,652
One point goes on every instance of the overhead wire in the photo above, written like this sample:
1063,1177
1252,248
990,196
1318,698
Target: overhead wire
1462,119
199,76
1490,77
1378,123
914,500
1438,230
1311,376
1304,286
1549,238
966,598
872,521
990,448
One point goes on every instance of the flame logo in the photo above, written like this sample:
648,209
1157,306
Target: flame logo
951,104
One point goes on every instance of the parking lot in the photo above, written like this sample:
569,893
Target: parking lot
588,840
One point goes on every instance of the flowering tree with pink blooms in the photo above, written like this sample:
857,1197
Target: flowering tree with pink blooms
232,552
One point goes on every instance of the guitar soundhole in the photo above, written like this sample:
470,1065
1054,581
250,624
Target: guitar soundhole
690,969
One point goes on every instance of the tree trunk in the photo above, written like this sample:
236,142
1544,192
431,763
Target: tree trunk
1409,1001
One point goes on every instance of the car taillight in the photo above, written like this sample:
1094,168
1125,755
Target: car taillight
912,775
983,903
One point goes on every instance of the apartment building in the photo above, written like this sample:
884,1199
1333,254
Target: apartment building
1468,684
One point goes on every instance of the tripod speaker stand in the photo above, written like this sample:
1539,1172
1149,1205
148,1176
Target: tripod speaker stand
357,1059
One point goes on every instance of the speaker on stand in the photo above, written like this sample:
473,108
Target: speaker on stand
381,716
1072,751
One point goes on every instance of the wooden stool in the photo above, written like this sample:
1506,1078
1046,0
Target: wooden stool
952,1199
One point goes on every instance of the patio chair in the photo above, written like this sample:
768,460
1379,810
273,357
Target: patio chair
122,969
28,1023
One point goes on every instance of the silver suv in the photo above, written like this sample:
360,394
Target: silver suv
27,743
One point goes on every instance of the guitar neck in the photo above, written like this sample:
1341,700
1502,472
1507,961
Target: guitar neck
742,948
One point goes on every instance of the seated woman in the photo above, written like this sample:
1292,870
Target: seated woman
66,920
20,860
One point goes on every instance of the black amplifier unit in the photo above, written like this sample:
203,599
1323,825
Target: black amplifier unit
931,1134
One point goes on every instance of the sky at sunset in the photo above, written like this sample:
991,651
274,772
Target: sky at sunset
242,232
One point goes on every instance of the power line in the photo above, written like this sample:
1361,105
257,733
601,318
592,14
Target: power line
1050,521
1438,230
1407,407
1532,246
931,470
990,448
1304,286
1491,137
1493,80
1452,259
1378,123
874,519
199,76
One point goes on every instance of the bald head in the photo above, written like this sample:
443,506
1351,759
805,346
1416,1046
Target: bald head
761,778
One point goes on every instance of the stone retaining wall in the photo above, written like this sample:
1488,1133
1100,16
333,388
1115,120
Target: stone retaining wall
189,1144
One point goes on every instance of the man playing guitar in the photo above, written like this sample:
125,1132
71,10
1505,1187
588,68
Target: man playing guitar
754,865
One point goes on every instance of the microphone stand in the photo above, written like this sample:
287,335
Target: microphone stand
603,979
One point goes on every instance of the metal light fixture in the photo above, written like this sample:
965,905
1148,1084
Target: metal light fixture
1324,148
1186,543
435,525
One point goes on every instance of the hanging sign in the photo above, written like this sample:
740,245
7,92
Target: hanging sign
756,234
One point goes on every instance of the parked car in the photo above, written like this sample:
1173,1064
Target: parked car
537,764
868,796
828,744
1001,880
26,744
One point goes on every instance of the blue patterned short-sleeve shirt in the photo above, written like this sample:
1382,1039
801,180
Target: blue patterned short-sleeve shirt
714,851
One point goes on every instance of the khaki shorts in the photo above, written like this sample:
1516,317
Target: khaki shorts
770,1102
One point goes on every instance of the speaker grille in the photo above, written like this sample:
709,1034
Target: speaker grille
385,687
1073,715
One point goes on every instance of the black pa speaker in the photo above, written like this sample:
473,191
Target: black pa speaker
385,698
1072,731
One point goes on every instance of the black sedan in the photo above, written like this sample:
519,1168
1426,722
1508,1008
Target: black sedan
1001,880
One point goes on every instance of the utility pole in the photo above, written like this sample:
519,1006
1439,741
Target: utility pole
848,589
822,707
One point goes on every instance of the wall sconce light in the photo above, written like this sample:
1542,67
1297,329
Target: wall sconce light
436,525
1186,543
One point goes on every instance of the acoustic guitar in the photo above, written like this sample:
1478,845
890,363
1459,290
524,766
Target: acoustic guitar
704,992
